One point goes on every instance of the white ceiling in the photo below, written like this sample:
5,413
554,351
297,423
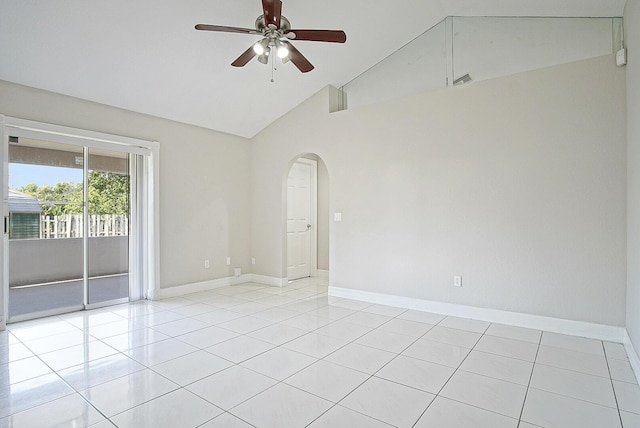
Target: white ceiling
145,55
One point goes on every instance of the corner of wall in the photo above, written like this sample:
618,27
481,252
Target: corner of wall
337,99
632,41
634,359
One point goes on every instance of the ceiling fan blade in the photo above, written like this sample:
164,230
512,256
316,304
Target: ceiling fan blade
333,36
225,29
272,12
298,59
243,59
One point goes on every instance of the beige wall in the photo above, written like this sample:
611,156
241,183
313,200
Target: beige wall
204,180
517,184
632,39
323,216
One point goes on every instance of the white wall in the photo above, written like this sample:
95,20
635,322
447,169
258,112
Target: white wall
204,180
484,47
488,47
516,183
632,39
420,65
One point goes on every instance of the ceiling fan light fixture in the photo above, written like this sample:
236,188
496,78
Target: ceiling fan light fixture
264,57
282,50
261,46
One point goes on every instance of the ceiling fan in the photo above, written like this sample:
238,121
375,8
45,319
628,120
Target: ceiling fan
277,34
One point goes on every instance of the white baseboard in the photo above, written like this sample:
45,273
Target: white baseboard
556,325
633,355
323,273
268,280
181,290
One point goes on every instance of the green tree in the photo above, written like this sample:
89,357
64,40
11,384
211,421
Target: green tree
62,198
108,194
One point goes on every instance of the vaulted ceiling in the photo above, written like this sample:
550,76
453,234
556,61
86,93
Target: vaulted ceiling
146,56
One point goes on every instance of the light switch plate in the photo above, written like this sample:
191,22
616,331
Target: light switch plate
621,57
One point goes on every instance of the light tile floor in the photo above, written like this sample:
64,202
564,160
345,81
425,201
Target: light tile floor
250,355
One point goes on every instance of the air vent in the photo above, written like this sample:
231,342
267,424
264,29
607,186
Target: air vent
462,80
13,139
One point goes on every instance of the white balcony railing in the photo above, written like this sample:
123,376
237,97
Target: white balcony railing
71,226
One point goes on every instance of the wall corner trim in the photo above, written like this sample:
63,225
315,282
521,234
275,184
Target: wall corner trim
634,359
555,325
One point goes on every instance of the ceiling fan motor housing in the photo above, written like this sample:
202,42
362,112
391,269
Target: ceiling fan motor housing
261,26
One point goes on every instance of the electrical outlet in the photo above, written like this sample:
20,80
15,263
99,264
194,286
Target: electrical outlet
206,264
253,260
237,271
457,281
228,260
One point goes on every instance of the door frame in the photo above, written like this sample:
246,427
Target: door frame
146,241
313,198
4,191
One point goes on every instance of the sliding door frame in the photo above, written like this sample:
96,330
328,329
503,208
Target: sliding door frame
144,250
4,192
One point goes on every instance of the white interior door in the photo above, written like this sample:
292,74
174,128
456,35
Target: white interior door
300,221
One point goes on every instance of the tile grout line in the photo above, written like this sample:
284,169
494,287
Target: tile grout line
293,374
452,374
247,368
75,391
370,376
615,396
234,364
334,404
145,367
533,367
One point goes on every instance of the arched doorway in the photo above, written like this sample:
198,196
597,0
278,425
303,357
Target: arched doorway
307,218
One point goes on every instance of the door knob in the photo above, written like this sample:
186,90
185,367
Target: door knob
308,226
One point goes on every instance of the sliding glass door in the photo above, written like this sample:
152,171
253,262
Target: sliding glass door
108,219
46,203
69,236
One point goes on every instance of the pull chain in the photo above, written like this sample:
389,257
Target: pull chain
273,69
